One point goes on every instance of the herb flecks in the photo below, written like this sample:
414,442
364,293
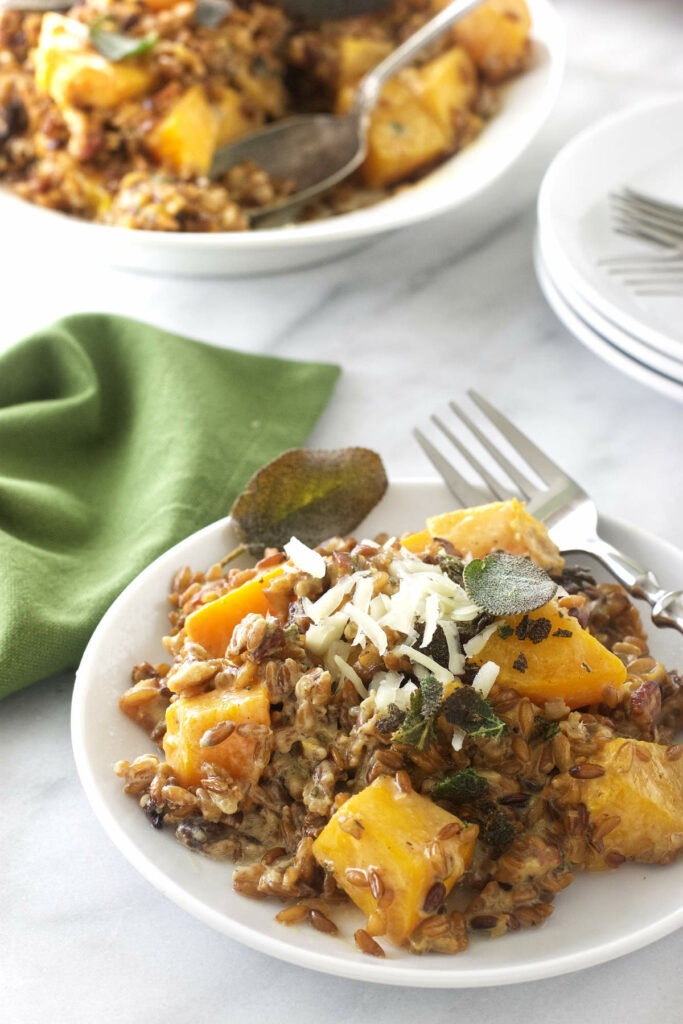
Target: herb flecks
504,584
535,630
463,786
474,714
420,723
563,632
505,631
520,664
115,45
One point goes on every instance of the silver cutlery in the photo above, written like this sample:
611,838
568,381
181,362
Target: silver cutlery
558,501
660,224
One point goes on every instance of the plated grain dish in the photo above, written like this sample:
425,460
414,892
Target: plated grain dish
112,112
353,724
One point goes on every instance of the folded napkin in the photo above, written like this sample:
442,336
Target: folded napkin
118,439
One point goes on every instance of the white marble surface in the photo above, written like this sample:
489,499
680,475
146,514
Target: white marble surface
413,319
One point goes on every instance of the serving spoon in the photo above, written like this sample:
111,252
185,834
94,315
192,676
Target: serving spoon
317,151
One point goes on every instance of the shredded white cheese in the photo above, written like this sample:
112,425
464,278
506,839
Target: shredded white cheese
305,558
438,671
330,600
350,674
478,642
486,677
458,737
368,627
320,635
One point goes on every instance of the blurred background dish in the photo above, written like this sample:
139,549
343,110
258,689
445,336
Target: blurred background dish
526,102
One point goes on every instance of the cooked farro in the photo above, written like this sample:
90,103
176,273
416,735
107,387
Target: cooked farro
294,734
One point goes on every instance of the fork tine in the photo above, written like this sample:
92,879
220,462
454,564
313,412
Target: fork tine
539,462
494,484
525,486
463,490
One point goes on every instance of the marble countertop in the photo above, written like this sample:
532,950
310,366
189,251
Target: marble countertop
414,319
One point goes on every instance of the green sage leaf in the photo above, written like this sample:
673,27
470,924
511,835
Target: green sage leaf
116,46
309,494
504,584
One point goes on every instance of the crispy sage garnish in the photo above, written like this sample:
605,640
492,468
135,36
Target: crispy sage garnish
115,45
504,584
309,494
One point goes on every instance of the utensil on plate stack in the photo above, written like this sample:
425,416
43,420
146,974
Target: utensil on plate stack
619,292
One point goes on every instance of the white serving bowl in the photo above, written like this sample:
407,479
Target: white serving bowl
527,101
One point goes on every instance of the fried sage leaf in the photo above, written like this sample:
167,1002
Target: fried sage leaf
115,45
309,494
467,709
465,785
419,726
504,584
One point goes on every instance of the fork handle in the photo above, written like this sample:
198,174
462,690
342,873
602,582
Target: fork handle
666,605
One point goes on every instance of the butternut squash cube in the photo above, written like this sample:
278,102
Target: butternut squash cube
547,654
231,119
502,525
448,84
74,75
496,37
416,850
185,139
188,718
403,135
642,788
358,55
212,624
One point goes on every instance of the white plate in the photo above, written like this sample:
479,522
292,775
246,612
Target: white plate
584,333
527,101
600,916
574,217
630,345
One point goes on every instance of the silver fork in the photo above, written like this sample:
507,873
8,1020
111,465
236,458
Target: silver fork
559,502
648,272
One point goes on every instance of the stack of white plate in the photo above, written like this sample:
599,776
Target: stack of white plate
642,335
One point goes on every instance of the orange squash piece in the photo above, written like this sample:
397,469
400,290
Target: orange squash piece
188,718
547,654
417,542
185,139
502,525
391,832
496,36
643,789
212,625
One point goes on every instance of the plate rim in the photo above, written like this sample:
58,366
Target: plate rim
379,972
344,227
631,324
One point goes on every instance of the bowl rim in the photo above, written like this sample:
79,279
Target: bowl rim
356,224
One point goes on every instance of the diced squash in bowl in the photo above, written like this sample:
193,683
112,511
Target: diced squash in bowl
357,55
500,526
448,84
75,75
496,35
185,139
547,654
189,718
396,854
232,120
637,800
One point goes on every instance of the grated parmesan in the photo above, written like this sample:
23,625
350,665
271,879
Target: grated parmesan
486,677
305,558
479,642
350,674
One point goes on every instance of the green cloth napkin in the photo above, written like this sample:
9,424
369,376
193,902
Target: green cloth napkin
117,440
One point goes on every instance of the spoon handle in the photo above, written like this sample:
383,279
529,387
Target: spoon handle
370,86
